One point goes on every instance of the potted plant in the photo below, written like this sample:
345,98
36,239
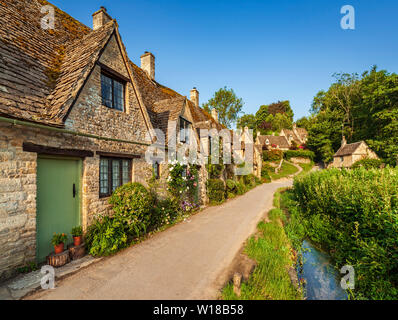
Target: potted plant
77,233
58,241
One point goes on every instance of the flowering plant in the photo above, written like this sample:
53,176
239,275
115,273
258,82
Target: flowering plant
57,239
183,184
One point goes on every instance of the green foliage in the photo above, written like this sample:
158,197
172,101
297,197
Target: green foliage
77,231
231,187
29,267
353,214
367,164
227,104
106,236
272,155
273,253
215,191
366,107
247,120
131,204
59,238
164,212
287,169
299,154
183,185
304,122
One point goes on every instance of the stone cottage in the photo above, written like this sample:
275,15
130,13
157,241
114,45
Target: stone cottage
76,119
269,142
297,136
348,154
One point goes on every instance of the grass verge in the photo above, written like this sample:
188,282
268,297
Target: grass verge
273,252
287,169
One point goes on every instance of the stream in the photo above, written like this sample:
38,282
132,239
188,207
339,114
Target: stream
322,279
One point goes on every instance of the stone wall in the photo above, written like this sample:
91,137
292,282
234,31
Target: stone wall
298,160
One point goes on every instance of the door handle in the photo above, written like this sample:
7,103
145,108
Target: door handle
74,190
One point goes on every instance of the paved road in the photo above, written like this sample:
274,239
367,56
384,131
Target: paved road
187,261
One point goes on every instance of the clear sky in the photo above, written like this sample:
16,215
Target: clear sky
265,50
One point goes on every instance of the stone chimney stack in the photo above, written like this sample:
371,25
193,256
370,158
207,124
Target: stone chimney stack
343,142
100,18
195,96
214,114
148,64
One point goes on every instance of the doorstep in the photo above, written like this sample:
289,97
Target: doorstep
17,288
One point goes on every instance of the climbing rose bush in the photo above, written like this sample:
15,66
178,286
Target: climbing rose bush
183,185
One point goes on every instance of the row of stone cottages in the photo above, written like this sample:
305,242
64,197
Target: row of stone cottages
76,116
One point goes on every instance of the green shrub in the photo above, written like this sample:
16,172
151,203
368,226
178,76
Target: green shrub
353,214
368,164
132,205
164,212
216,191
272,155
106,236
249,181
299,154
241,188
231,186
265,169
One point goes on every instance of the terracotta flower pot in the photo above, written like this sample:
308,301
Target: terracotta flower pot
59,248
77,241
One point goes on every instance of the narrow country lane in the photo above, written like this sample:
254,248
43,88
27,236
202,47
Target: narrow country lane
187,261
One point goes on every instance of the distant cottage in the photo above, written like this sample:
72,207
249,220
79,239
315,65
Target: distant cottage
286,139
348,154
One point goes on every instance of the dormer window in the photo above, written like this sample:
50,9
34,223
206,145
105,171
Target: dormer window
185,125
112,91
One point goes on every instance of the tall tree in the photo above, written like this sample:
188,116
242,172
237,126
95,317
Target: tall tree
366,107
227,104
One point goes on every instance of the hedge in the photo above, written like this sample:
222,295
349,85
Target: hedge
299,154
215,191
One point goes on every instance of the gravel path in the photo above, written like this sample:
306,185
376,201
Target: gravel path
187,261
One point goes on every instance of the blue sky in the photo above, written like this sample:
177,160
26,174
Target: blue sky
265,50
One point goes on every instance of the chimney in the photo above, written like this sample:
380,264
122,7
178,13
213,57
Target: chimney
100,18
214,114
148,64
343,142
195,96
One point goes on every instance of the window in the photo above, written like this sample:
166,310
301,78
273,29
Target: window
184,130
113,174
342,159
112,92
156,169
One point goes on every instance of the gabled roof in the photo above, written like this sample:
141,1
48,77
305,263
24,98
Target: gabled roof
289,133
280,141
348,149
80,58
31,58
42,71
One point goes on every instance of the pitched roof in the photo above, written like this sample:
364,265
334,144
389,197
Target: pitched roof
302,133
348,149
79,59
280,141
31,58
289,133
42,71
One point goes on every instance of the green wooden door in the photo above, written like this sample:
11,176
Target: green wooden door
58,200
